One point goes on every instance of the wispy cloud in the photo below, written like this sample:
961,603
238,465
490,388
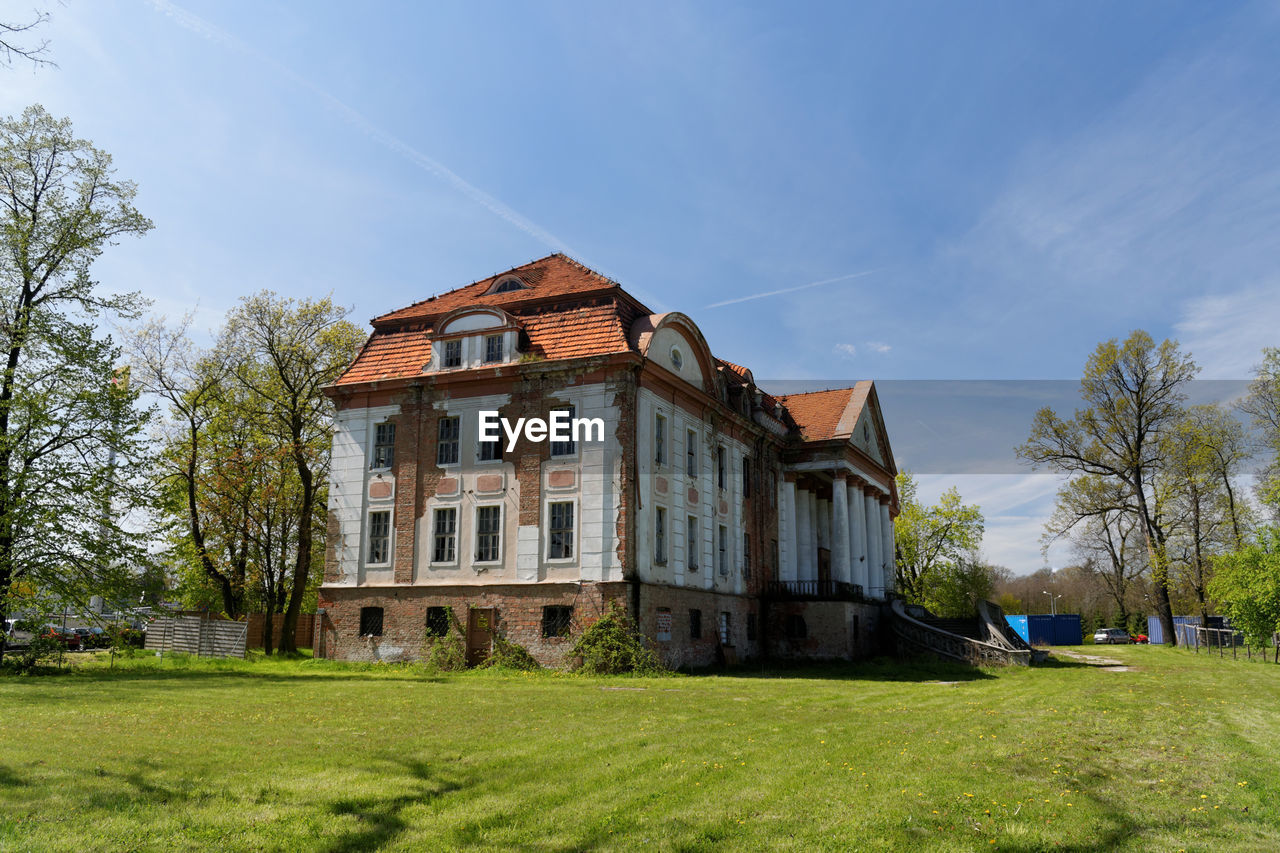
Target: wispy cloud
848,350
1226,332
769,293
194,23
878,346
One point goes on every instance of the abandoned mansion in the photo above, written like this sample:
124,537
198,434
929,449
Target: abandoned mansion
512,456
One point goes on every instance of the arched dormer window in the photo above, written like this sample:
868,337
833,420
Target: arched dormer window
508,284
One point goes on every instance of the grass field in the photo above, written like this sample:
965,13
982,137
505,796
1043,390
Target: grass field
1181,753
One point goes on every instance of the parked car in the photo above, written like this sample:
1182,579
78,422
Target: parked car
1108,636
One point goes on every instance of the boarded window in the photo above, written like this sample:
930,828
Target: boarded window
660,536
664,624
452,354
561,531
370,621
726,628
555,620
693,543
447,441
437,621
380,536
488,533
445,541
384,445
695,624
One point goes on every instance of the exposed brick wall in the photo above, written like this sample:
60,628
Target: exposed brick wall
518,610
834,630
682,651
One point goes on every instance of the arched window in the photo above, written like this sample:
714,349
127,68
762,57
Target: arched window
509,284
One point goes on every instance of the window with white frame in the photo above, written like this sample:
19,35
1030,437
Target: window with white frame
492,349
692,546
488,534
452,356
723,555
691,453
380,537
660,439
444,545
560,530
660,535
384,445
489,451
566,448
447,431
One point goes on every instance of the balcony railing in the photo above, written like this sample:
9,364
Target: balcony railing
814,590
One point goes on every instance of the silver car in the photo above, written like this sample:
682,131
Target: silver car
1111,636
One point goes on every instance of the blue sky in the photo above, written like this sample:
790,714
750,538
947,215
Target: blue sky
988,189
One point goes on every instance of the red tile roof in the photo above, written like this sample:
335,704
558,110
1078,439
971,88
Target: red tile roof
547,278
389,355
823,415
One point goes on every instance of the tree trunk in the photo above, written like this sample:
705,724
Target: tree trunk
302,569
1159,561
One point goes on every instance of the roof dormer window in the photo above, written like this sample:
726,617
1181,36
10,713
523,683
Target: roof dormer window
508,284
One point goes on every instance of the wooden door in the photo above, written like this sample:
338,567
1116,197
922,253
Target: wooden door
479,634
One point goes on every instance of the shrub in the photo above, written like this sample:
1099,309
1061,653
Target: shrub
509,655
34,658
613,645
447,653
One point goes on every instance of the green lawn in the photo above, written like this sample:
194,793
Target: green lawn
1183,753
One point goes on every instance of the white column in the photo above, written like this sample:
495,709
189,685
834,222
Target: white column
886,526
806,565
875,543
840,566
858,538
788,570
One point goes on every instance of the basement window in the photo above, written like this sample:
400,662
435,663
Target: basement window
370,621
555,620
437,621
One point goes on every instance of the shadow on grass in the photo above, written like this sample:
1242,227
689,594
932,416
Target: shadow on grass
876,669
9,779
382,817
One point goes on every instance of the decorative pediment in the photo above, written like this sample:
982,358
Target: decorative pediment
673,341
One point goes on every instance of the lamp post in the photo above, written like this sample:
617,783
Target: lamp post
1053,599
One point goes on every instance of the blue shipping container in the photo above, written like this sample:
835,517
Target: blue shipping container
1045,630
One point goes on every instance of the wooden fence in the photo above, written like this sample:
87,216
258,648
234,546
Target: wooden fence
196,635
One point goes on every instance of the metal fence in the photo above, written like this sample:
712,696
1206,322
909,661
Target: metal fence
1220,639
196,635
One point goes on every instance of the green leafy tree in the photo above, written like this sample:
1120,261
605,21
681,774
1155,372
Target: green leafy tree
930,542
71,429
1246,585
1133,395
1263,404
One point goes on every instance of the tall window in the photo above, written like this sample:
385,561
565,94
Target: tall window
695,624
445,539
691,453
489,451
488,534
380,536
746,476
726,633
746,555
660,439
560,528
723,556
370,621
447,441
492,349
721,479
452,354
384,445
693,546
660,536
565,448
